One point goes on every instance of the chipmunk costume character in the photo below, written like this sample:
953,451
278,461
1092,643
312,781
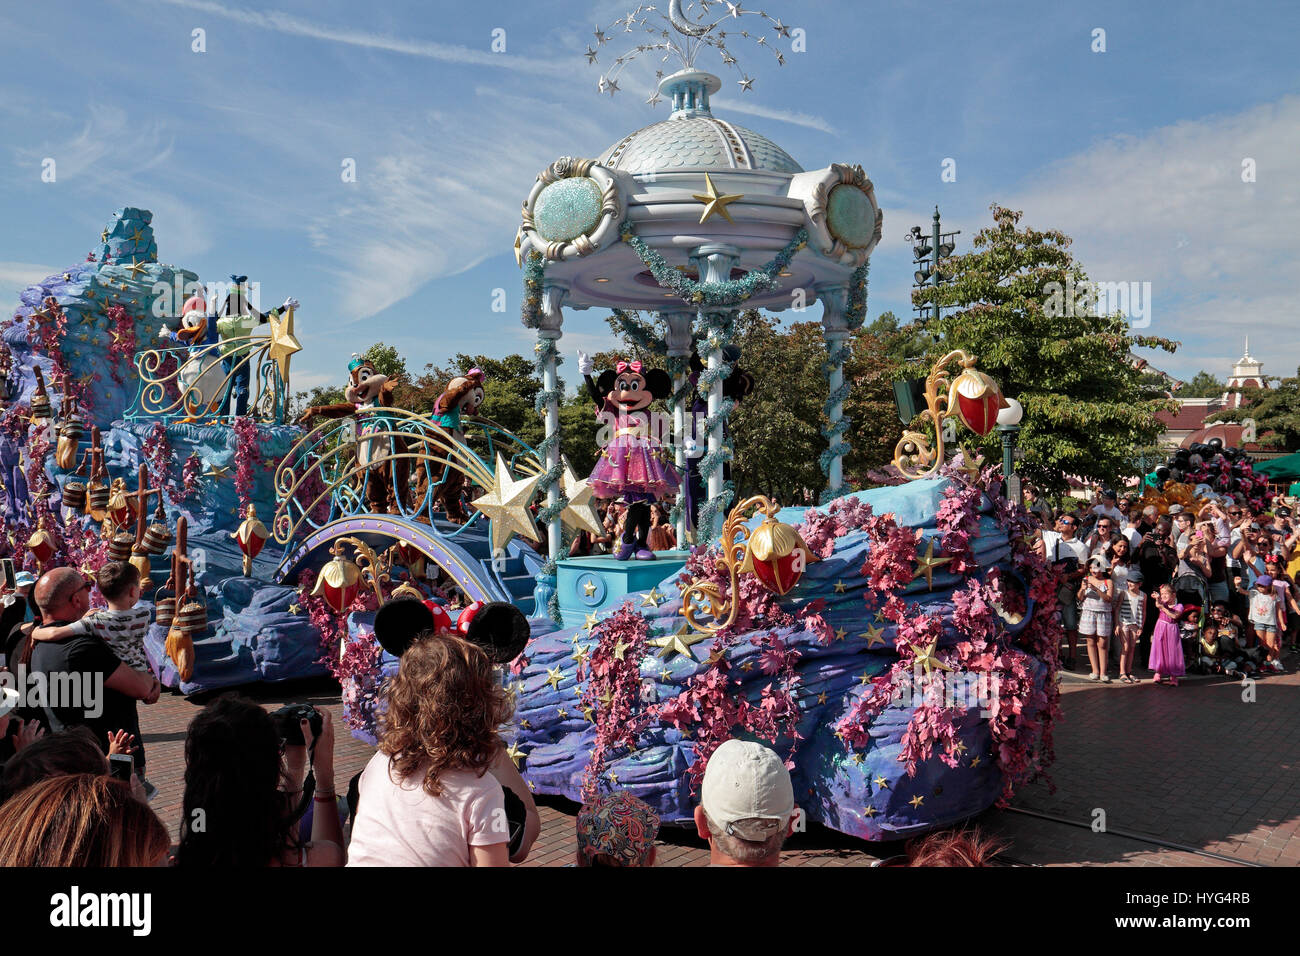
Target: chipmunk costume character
463,396
386,472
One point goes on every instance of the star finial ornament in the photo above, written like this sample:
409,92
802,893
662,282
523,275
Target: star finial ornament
653,598
553,677
925,657
840,587
506,504
781,29
590,55
926,563
882,783
589,589
592,621
715,202
746,84
917,800
283,342
515,754
611,87
655,99
874,635
600,36
679,642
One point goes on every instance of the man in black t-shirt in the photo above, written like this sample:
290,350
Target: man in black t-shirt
85,683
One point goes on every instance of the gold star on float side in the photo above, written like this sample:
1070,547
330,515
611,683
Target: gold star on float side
295,609
857,759
613,778
283,343
840,587
217,474
506,505
866,677
532,786
821,698
135,268
715,202
607,698
592,621
974,762
747,666
620,648
869,812
875,634
589,589
553,677
679,642
580,514
137,235
652,599
926,563
103,236
579,655
516,755
917,800
562,714
525,725
882,783
925,657
67,277
716,656
840,633
959,748
589,714
665,675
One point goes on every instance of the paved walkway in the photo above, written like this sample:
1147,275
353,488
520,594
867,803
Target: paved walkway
1196,765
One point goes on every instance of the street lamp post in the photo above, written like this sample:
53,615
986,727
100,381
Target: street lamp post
927,254
1009,427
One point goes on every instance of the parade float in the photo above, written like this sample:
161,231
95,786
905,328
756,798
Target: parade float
896,646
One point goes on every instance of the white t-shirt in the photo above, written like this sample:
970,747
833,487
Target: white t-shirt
1058,549
1110,512
398,824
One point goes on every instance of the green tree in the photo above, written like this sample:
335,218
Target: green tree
1275,411
1086,407
1202,385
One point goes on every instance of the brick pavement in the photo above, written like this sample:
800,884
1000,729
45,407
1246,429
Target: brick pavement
1192,765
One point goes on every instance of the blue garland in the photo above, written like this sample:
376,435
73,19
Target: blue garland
719,326
855,315
534,273
712,294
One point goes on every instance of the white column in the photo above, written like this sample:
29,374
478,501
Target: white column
834,299
552,318
679,346
715,261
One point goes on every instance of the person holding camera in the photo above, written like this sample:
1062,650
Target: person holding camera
250,777
1096,594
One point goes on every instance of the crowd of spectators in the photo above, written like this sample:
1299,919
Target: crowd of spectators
1208,590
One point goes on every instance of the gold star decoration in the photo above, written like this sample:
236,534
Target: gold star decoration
283,343
580,514
295,609
652,599
866,677
589,589
515,754
553,677
525,725
613,778
135,268
67,277
562,713
103,236
589,714
925,657
665,675
917,800
620,648
679,642
926,563
579,655
875,634
840,587
869,812
747,666
840,633
137,235
974,761
959,748
715,202
506,505
821,698
592,621
607,698
882,783
217,474
519,243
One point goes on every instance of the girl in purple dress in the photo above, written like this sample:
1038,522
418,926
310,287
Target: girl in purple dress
1166,645
633,465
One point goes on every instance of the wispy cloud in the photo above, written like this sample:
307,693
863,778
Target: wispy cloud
1170,207
16,276
809,120
448,53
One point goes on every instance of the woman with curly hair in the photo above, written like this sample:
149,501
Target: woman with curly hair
81,819
427,797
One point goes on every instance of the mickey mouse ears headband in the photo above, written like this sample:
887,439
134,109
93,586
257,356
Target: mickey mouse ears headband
500,629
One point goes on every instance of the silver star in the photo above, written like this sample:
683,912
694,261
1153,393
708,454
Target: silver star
600,35
781,29
655,98
590,55
734,8
612,87
746,84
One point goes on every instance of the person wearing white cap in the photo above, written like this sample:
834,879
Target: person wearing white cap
1097,592
746,806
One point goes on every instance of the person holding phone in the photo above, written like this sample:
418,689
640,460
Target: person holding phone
1097,595
1063,549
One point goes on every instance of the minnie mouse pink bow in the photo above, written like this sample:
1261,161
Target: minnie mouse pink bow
622,367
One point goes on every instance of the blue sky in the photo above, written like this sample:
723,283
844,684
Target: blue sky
1136,152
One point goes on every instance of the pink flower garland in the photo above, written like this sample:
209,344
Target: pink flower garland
158,454
121,344
613,690
191,479
247,456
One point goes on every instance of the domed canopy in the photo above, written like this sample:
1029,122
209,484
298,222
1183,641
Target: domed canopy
696,142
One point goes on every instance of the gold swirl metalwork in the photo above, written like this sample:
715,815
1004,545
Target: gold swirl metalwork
734,543
191,401
914,456
375,570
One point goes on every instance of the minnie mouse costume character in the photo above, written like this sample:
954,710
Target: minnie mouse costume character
633,465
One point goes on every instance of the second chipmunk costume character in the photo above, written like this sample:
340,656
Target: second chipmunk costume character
386,480
463,396
633,465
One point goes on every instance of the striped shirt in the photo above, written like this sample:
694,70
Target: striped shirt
1132,608
123,631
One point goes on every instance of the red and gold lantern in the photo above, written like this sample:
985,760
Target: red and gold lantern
776,555
251,535
41,545
120,509
339,582
977,399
